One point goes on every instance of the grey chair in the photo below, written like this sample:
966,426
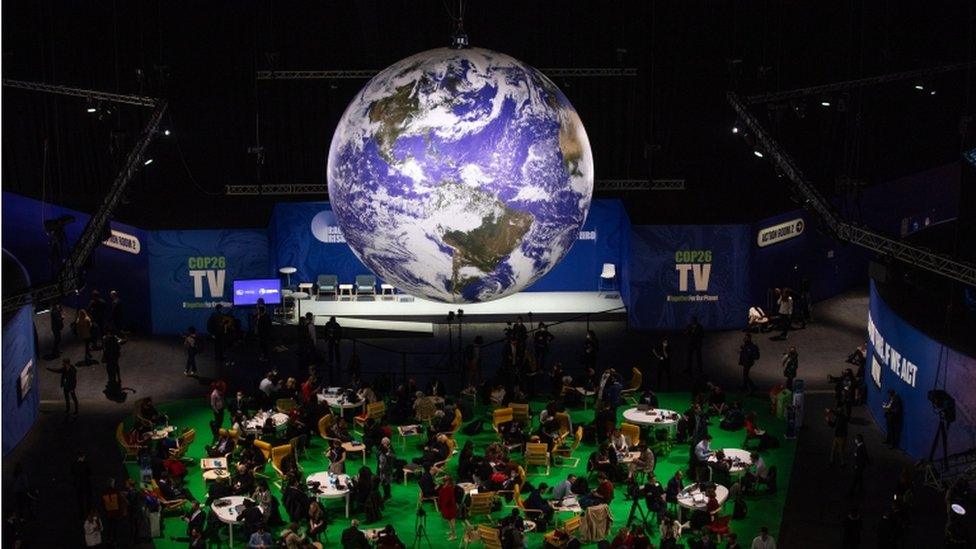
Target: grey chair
328,284
365,284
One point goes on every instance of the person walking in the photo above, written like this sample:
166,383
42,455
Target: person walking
57,326
837,419
748,355
447,504
791,362
763,540
662,357
69,380
861,462
192,346
83,329
695,334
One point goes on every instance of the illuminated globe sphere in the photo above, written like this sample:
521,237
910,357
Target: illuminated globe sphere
460,175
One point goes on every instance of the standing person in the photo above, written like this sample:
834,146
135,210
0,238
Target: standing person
69,380
852,530
192,346
520,334
447,504
785,309
83,329
333,336
57,326
695,334
893,412
541,339
111,353
763,540
93,529
472,355
837,419
662,356
115,311
748,355
218,332
791,362
264,333
861,461
99,312
217,405
591,346
114,508
81,478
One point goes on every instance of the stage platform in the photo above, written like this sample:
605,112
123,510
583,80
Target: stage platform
406,313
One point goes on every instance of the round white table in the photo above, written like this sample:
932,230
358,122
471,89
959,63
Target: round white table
327,490
228,513
741,459
256,423
655,417
693,498
340,403
288,271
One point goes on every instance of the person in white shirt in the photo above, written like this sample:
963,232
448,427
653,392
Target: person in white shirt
619,442
763,540
785,310
703,449
217,405
93,529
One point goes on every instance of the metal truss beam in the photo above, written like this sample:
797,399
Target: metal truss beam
139,100
71,276
813,200
322,189
857,83
363,74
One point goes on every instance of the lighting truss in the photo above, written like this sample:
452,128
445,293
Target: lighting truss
852,84
139,100
363,74
322,189
70,278
844,230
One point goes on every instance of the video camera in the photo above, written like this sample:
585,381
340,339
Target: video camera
944,405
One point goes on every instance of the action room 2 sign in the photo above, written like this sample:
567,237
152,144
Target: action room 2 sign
192,271
682,271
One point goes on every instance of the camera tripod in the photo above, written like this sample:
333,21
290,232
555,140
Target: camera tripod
420,529
635,509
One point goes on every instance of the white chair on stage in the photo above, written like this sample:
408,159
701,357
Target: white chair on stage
608,278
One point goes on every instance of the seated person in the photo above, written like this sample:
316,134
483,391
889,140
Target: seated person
675,486
428,488
649,398
269,429
604,422
219,488
623,539
721,469
296,500
513,432
497,396
758,320
250,455
703,450
734,418
147,413
262,495
564,489
167,444
340,431
434,452
434,387
252,517
224,445
388,539
654,497
170,490
618,443
466,462
645,461
603,493
757,472
440,423
317,519
243,481
753,431
536,502
336,455
603,461
512,529
373,433
716,400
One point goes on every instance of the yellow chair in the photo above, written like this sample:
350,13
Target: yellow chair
630,432
636,380
521,413
565,424
279,453
128,450
537,453
325,423
168,506
566,452
265,448
570,527
481,505
439,466
374,411
186,439
499,417
234,435
490,537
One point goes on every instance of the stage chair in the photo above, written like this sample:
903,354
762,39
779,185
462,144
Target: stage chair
168,507
608,277
636,380
264,447
455,424
565,424
566,452
521,413
128,450
631,432
329,284
537,453
186,439
374,411
365,284
490,537
569,527
277,454
325,423
481,505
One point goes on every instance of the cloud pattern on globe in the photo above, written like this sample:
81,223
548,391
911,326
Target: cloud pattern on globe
460,175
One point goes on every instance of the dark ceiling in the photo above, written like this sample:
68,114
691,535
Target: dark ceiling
670,121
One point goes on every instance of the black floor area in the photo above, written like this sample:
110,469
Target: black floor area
154,365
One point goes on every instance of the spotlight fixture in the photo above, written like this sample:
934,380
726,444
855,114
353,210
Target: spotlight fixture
931,92
920,86
167,133
825,103
735,129
147,162
958,509
91,110
757,152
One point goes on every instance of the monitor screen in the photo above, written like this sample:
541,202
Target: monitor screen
247,292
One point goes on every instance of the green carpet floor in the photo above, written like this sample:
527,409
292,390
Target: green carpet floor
764,509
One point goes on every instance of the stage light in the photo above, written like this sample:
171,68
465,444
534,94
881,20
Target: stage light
932,92
757,152
825,103
958,509
166,133
735,129
919,87
147,162
91,110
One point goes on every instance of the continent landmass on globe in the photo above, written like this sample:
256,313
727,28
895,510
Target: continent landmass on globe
487,246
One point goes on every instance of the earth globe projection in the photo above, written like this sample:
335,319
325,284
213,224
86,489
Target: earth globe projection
460,175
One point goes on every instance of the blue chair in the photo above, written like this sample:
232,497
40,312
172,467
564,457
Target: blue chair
365,284
328,284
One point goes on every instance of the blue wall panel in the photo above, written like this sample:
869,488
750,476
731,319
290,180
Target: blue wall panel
18,350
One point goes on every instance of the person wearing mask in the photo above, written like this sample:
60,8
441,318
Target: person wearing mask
763,540
748,355
191,345
791,362
57,326
662,358
69,381
695,334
